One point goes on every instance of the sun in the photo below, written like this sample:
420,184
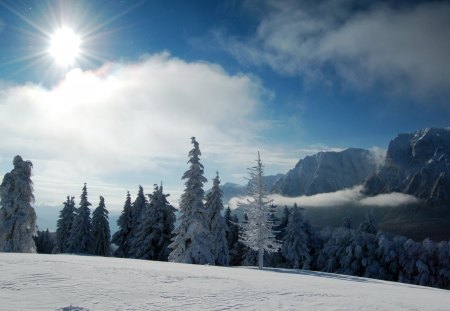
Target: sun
65,46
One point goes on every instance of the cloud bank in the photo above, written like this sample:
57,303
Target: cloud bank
344,197
403,47
131,123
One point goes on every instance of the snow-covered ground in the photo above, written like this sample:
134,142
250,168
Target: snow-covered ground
51,282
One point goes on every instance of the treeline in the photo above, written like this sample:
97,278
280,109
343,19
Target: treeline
208,235
363,251
145,225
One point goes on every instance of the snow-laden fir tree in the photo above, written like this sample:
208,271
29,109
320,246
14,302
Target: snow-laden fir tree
80,240
101,245
17,216
64,225
192,241
156,227
122,238
217,224
295,241
168,224
139,206
257,233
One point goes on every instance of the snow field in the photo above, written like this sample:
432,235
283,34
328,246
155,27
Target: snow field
50,282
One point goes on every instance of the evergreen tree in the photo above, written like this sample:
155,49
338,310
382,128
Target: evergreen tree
370,224
168,225
235,247
277,258
80,240
17,216
257,232
217,224
295,241
64,225
347,223
122,238
156,227
143,245
101,245
139,206
192,242
44,242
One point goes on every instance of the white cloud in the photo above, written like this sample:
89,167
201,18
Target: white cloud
344,197
131,119
405,49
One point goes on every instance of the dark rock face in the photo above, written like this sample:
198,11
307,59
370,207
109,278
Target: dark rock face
326,172
417,164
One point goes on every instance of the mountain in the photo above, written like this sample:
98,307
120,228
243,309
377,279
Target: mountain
326,172
70,282
417,164
231,190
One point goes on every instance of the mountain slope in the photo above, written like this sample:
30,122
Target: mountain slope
418,164
326,172
49,282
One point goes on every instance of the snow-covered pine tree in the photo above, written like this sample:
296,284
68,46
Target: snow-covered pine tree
139,205
257,233
156,227
80,240
168,225
64,225
144,239
295,241
217,224
122,238
17,216
192,242
101,245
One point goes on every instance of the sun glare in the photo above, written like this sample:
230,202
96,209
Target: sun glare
65,46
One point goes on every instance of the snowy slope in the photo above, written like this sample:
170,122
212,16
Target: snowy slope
50,282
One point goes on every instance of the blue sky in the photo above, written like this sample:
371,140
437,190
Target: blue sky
288,78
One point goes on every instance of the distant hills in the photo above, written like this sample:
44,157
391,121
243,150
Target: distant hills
416,164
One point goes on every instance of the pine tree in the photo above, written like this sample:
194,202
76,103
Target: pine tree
138,209
44,242
80,240
192,242
156,227
257,232
235,247
277,258
101,245
64,225
347,223
217,224
17,216
168,225
295,241
370,224
122,238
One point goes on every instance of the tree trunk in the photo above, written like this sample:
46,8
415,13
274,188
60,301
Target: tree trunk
260,257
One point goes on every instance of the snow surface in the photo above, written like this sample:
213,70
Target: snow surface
63,282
